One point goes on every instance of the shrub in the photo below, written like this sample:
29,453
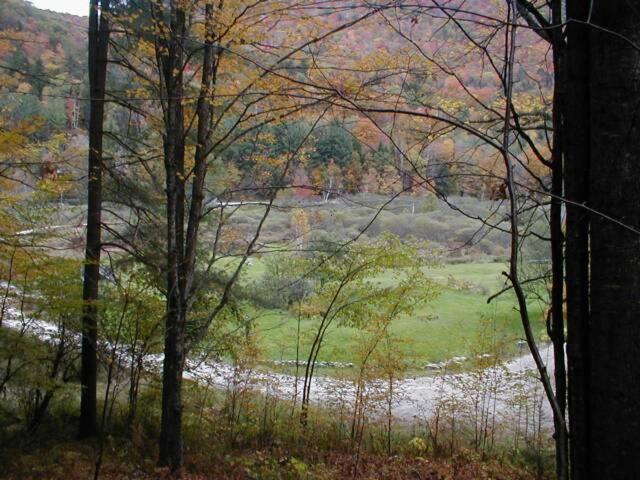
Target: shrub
486,246
425,227
428,204
465,234
398,225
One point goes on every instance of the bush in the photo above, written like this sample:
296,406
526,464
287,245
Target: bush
398,224
429,203
465,234
486,246
428,229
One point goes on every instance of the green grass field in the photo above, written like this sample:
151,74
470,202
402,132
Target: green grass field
456,323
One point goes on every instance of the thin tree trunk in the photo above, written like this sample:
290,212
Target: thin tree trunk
204,115
181,247
98,49
170,59
515,236
113,365
557,245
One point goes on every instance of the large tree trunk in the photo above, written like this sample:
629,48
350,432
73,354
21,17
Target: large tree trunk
603,256
577,154
614,190
98,48
557,297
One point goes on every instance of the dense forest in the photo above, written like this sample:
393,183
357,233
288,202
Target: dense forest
320,239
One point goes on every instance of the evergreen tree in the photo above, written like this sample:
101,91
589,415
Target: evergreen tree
37,78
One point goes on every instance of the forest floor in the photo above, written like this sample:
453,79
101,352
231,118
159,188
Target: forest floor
59,458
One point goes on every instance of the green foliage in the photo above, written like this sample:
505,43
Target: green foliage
34,372
284,281
427,204
345,292
19,61
289,136
335,143
383,157
444,179
348,289
37,78
425,334
132,310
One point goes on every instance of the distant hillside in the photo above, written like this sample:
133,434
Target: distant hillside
43,60
58,39
43,82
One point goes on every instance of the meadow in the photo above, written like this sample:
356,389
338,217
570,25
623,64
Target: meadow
468,265
459,322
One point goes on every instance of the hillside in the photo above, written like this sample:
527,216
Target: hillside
43,55
44,82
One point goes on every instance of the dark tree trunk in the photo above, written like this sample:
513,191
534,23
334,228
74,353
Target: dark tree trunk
614,190
204,115
171,63
577,154
603,251
181,242
557,243
98,48
171,422
552,32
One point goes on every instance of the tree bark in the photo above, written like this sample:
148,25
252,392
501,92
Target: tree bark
181,242
170,60
204,115
614,190
98,49
577,154
557,243
552,32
